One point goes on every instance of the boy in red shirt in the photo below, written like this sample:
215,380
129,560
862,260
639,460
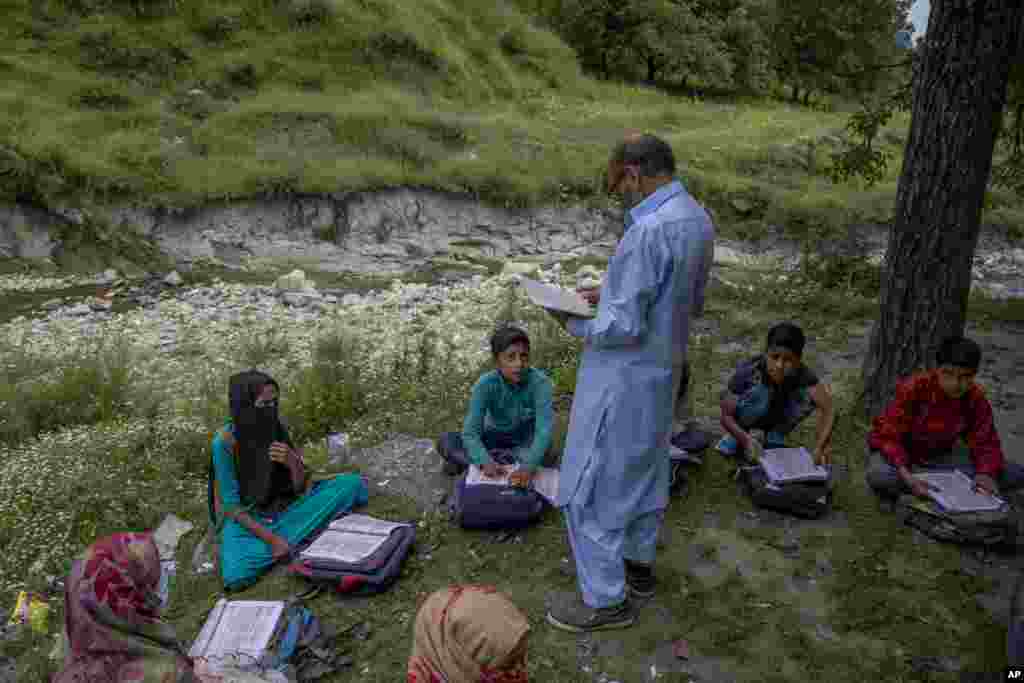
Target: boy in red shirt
931,412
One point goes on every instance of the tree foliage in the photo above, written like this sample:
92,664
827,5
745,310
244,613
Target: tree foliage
860,158
729,46
960,89
830,46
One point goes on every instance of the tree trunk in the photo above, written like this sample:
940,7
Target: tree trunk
796,94
1019,132
960,90
652,69
807,98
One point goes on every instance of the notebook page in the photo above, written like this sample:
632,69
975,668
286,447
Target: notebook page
545,482
955,492
202,641
364,524
475,476
343,546
245,626
791,464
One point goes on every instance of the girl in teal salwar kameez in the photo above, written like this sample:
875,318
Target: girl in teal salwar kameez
262,499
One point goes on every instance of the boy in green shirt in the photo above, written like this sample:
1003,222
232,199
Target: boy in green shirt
510,415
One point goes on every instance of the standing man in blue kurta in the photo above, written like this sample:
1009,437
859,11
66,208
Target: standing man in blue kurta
614,481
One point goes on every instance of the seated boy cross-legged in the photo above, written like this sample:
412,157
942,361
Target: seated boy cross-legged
774,392
931,411
510,415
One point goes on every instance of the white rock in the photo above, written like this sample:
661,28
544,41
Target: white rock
173,279
297,299
294,281
107,277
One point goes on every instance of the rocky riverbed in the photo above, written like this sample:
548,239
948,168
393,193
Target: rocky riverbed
183,329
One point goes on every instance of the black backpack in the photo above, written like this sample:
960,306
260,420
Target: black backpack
989,528
808,500
487,506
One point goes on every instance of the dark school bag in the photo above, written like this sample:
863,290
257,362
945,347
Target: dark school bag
687,448
987,528
493,507
803,499
375,574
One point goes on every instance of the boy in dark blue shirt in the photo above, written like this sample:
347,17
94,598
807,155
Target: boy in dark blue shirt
774,392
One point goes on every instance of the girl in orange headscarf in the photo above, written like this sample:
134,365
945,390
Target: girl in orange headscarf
469,634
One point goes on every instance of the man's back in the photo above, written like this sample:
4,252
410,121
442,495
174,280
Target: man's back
622,410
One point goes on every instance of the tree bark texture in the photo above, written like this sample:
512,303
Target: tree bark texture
960,91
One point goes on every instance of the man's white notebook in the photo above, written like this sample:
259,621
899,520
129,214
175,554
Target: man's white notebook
557,299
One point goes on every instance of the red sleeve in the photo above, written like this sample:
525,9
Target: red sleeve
982,437
891,427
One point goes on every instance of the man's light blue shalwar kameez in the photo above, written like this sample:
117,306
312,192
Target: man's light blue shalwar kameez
615,470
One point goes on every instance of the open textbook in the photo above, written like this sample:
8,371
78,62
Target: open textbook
545,480
791,465
954,492
237,632
557,299
351,538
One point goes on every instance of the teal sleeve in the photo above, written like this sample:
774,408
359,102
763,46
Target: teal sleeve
473,426
544,416
224,472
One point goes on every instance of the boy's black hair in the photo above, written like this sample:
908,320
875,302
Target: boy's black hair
506,336
960,352
787,336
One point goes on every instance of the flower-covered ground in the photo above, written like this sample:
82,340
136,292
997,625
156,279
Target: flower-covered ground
106,426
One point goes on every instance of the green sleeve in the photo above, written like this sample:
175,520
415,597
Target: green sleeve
544,416
473,425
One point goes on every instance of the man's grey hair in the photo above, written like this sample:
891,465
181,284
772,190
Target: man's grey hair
652,155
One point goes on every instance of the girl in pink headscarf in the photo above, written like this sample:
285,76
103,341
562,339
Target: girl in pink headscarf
111,616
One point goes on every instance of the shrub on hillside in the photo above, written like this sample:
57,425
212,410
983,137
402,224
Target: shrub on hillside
329,394
308,13
100,97
85,388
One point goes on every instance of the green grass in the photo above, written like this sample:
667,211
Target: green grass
726,586
197,101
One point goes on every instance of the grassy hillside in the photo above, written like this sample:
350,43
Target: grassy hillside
179,102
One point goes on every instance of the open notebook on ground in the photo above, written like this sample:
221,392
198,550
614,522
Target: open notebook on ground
557,299
791,465
350,539
238,632
954,492
545,480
